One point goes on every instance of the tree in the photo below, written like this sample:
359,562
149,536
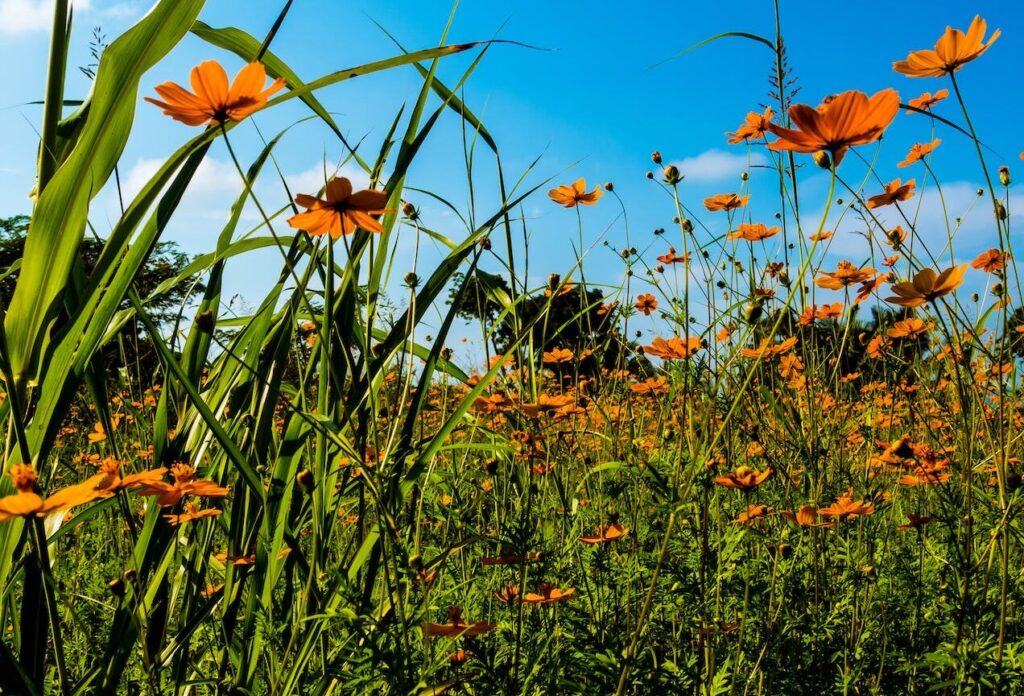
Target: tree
133,349
561,317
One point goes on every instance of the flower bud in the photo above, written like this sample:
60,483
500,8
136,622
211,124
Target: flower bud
609,186
822,159
411,279
305,480
205,321
656,157
1004,176
687,225
671,174
409,210
744,176
1000,210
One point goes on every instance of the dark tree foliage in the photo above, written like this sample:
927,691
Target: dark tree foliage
133,350
568,318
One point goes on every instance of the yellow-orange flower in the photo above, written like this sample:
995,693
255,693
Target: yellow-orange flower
895,190
548,594
341,211
991,261
674,348
574,194
927,100
845,274
28,503
840,122
952,51
725,201
918,152
927,286
214,101
754,126
909,328
754,232
456,626
845,507
744,478
646,303
185,484
605,534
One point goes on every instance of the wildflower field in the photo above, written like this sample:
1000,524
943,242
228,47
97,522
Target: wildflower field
765,455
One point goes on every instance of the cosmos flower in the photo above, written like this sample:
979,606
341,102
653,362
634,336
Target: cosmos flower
754,232
754,126
927,286
575,194
839,123
341,211
952,51
725,201
918,152
214,101
744,478
895,191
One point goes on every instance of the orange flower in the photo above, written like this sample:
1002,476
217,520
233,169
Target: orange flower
191,512
341,211
845,274
754,126
896,236
674,348
456,626
646,303
927,100
214,101
768,350
952,51
753,232
868,287
918,151
576,193
28,503
548,594
650,386
909,328
725,201
840,122
895,190
752,514
558,355
927,286
845,507
605,534
991,261
806,516
507,594
744,478
185,483
109,480
671,257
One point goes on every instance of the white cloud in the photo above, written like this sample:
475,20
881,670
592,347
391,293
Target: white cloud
17,16
718,165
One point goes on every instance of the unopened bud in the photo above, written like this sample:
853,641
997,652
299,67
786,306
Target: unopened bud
411,279
305,480
609,186
671,175
205,321
656,157
409,210
1004,176
822,159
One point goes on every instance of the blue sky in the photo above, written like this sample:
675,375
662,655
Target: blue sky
588,107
